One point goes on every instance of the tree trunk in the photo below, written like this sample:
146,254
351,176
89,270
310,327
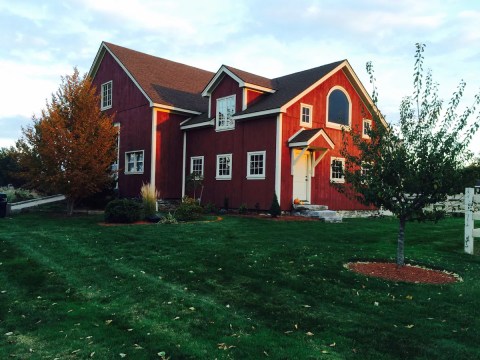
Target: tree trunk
401,243
70,205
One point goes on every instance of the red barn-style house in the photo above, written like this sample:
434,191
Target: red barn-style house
245,135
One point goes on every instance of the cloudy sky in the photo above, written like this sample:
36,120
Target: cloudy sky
43,40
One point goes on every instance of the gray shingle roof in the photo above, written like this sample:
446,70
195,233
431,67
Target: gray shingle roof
165,82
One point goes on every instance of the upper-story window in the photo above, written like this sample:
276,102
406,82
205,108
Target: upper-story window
306,115
225,111
339,108
106,96
367,125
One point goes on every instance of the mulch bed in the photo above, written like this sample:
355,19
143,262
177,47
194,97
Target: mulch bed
408,273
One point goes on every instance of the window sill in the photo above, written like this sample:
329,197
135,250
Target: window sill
337,181
255,177
223,178
338,126
224,129
304,124
133,172
106,108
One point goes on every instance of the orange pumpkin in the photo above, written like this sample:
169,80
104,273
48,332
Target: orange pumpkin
296,201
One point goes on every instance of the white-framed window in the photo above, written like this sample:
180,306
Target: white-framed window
196,166
256,165
106,96
225,111
336,170
306,113
367,125
224,167
339,108
134,162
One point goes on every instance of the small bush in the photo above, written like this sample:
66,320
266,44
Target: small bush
188,210
123,211
209,208
169,219
17,195
242,210
275,207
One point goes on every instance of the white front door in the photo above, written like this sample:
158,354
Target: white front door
301,176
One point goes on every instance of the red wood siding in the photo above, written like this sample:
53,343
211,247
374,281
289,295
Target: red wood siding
255,135
321,191
168,172
226,87
134,114
253,96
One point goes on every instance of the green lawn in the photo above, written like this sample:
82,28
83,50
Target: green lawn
240,288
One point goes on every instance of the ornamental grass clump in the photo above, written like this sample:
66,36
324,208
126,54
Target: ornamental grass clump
149,199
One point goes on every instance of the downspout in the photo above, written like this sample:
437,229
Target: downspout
278,159
184,162
153,160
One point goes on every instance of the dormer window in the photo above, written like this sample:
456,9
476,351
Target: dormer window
306,115
339,108
106,96
225,111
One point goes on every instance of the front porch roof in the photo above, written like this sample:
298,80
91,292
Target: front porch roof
312,138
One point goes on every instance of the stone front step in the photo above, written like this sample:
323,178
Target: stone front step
320,212
304,207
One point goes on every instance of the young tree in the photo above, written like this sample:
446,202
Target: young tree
405,167
69,149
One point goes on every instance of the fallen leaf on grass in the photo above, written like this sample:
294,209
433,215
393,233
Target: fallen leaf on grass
310,333
191,308
107,322
223,346
332,345
306,306
9,333
122,355
409,326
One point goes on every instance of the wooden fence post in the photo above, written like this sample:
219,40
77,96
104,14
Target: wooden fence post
469,220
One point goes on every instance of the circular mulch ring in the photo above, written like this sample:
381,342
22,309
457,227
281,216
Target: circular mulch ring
408,273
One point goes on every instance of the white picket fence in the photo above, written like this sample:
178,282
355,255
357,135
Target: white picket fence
472,213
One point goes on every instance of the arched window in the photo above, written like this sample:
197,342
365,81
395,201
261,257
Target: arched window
339,108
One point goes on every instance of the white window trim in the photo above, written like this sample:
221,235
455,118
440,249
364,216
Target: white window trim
116,164
225,128
335,125
369,122
126,162
203,165
256,176
111,95
223,177
342,180
310,108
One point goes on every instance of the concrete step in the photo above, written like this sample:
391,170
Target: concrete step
313,207
320,212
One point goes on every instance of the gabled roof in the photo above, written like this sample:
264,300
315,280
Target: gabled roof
306,137
290,86
164,83
244,79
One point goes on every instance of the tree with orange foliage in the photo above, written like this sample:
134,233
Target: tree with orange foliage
70,148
